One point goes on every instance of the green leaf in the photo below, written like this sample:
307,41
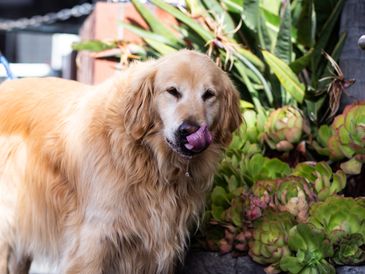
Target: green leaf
233,6
264,82
162,48
251,14
195,8
155,23
352,167
272,21
263,34
271,5
237,211
286,76
297,6
277,168
323,11
217,212
338,48
144,34
296,240
306,24
253,92
244,104
194,25
305,170
221,14
93,45
324,169
251,57
255,22
325,35
291,264
283,47
232,184
302,62
219,196
313,108
324,133
255,166
339,181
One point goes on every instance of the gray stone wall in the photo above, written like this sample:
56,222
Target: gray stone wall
352,61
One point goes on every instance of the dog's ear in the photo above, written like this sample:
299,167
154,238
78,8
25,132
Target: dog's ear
231,116
138,116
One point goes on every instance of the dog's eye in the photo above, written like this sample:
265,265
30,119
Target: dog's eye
174,92
208,94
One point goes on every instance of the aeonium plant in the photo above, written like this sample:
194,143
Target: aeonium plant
344,140
343,221
284,128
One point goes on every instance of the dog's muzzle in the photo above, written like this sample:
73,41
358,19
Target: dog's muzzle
193,138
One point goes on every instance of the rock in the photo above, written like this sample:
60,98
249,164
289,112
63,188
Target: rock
350,270
361,42
213,263
199,262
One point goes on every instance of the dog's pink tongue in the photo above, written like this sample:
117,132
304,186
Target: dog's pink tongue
199,140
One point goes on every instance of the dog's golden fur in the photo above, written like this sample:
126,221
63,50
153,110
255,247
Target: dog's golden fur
87,179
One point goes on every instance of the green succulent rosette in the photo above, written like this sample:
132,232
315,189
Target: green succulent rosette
345,138
350,250
269,237
245,140
354,123
309,249
339,216
293,194
343,221
261,197
284,128
320,176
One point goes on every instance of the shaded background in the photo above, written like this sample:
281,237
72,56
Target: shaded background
45,45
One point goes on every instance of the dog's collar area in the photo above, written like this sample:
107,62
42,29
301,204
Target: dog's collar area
187,157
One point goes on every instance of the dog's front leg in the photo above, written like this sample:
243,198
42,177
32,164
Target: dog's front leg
84,255
10,263
4,254
18,264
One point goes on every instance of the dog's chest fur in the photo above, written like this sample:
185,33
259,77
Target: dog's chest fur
146,204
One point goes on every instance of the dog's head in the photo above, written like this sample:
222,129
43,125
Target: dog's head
188,97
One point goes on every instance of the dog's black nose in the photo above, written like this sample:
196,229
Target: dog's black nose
187,128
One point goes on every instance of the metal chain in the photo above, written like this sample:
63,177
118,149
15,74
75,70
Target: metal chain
49,18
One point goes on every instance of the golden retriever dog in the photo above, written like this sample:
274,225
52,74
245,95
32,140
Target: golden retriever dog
110,178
